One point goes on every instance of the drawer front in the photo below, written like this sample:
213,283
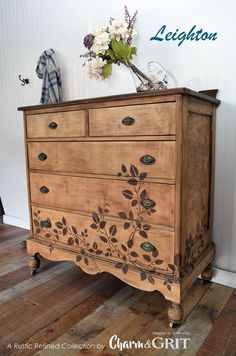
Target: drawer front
61,124
156,158
150,202
149,119
100,237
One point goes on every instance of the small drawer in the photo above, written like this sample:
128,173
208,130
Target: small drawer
149,202
99,237
60,124
148,119
155,158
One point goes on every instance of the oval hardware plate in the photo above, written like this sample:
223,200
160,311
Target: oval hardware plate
128,121
42,156
44,189
148,203
148,247
46,223
147,160
52,125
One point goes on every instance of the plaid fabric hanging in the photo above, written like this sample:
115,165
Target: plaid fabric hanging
48,70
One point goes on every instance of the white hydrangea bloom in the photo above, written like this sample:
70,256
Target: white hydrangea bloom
101,43
95,66
98,30
119,30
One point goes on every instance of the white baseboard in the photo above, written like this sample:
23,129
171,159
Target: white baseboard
12,220
226,278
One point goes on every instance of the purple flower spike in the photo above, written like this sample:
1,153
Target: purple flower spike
88,40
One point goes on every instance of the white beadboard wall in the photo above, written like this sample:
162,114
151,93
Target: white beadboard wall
30,26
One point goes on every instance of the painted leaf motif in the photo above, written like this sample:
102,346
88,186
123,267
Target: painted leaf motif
78,258
93,226
158,262
153,210
103,238
95,217
143,276
147,258
133,170
55,231
142,176
114,240
143,234
146,227
106,211
119,174
124,258
100,210
86,261
132,181
122,215
38,231
113,230
64,220
77,241
70,241
126,225
124,248
98,252
125,268
134,202
74,230
168,287
95,245
127,194
172,267
130,243
131,215
102,224
151,279
138,223
123,168
143,194
119,265
59,225
134,254
64,231
91,250
155,253
47,235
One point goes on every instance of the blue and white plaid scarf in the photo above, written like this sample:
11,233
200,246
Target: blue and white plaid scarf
48,70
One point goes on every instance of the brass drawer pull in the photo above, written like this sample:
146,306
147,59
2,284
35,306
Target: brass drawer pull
148,247
44,189
147,160
148,203
42,156
128,121
52,125
46,223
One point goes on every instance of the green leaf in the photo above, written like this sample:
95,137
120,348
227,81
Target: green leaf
107,70
121,50
111,54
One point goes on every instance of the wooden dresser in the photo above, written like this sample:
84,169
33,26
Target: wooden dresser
124,185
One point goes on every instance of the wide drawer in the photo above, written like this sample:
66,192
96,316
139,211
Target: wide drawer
156,158
101,237
151,202
60,124
148,119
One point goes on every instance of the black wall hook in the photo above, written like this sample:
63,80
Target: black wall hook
23,80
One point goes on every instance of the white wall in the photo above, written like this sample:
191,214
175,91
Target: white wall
30,26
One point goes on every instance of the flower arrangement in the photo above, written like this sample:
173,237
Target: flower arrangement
110,44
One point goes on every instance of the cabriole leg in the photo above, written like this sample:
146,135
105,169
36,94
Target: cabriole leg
34,264
175,314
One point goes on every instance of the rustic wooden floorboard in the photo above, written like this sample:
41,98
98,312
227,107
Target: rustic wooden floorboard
61,304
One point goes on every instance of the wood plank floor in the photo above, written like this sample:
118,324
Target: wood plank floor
62,309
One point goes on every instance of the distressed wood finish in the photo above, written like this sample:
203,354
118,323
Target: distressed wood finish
69,124
158,118
96,202
103,157
74,193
